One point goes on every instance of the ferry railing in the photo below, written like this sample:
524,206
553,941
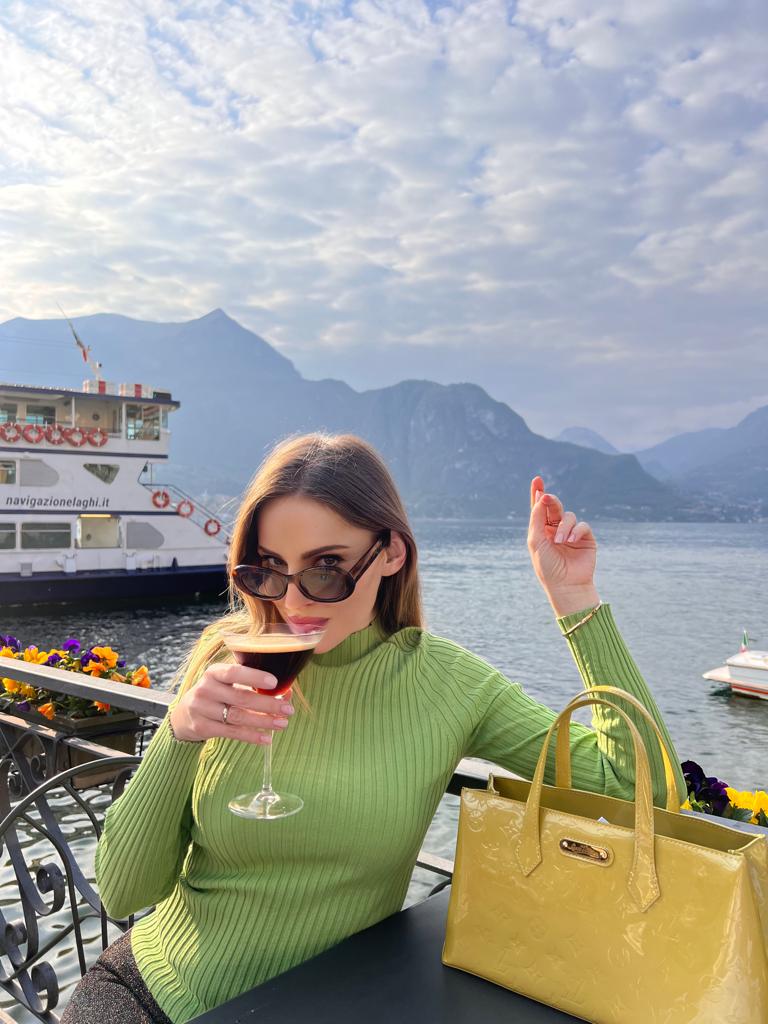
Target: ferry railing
51,917
200,514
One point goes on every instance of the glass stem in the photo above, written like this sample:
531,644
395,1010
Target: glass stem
266,783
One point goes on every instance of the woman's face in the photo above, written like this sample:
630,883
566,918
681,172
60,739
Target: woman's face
296,532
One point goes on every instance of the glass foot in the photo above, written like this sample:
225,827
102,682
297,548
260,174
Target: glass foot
266,806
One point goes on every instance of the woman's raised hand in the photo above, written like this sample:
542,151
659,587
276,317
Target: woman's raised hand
563,552
225,703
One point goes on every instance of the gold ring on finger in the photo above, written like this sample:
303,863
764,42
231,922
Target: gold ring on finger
225,713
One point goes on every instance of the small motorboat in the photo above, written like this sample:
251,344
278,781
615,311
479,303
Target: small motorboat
746,672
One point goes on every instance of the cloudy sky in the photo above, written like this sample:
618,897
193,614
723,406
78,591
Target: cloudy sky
561,200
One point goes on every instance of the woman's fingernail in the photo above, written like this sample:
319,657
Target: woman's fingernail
559,537
280,723
268,682
266,737
572,538
287,709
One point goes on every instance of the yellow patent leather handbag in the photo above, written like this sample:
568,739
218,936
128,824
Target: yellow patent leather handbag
651,917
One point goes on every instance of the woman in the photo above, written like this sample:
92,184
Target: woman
390,711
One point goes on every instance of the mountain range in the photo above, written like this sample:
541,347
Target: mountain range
453,450
723,470
587,439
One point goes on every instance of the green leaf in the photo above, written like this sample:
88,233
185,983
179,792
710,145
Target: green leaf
738,813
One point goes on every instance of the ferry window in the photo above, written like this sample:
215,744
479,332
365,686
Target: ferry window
7,472
36,473
43,415
98,531
45,535
102,470
142,422
8,411
143,535
7,536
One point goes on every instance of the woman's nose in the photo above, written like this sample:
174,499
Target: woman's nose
294,597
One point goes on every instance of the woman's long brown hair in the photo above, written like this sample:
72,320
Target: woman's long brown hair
350,477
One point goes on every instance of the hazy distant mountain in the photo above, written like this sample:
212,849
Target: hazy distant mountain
728,465
681,453
453,450
587,439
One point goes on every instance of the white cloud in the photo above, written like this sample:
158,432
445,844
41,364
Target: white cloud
568,185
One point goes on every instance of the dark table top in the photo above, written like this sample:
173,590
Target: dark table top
390,972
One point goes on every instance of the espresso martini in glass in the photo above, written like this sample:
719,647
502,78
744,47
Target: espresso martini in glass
283,652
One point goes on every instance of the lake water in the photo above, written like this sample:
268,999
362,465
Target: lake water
681,593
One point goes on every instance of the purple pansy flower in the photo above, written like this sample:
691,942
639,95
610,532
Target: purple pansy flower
694,774
22,705
121,663
87,658
71,645
53,659
705,789
10,641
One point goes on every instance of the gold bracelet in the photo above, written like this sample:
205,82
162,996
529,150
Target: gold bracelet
587,617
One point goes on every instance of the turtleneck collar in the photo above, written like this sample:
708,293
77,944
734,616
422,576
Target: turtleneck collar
352,648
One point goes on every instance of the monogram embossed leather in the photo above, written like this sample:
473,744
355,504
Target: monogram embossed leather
652,917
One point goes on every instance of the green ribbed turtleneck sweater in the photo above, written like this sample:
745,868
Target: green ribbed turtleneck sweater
240,901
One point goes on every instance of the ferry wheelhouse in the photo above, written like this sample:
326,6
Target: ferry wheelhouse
84,513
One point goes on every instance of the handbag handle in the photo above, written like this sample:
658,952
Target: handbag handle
563,755
643,883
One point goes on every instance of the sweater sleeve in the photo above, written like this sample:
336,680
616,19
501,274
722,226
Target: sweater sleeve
147,831
513,726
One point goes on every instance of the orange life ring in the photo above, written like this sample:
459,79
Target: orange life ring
185,508
54,434
161,499
33,433
98,437
74,436
212,527
10,432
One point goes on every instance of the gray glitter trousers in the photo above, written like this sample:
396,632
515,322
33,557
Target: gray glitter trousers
113,990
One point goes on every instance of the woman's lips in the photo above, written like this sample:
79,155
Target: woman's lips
305,625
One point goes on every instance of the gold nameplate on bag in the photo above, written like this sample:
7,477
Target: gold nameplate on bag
595,854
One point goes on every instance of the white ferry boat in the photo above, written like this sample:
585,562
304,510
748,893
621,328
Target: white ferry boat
84,513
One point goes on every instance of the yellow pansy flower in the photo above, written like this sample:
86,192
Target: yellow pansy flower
7,652
141,677
757,801
107,655
100,706
27,692
34,656
47,709
11,685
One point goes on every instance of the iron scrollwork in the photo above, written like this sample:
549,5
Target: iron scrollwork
49,827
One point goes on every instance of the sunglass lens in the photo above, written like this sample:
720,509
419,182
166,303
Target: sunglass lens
325,584
259,582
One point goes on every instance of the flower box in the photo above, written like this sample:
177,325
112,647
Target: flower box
72,715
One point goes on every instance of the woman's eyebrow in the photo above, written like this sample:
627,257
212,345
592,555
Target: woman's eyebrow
307,554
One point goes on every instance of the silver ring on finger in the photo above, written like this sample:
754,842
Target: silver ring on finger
225,713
